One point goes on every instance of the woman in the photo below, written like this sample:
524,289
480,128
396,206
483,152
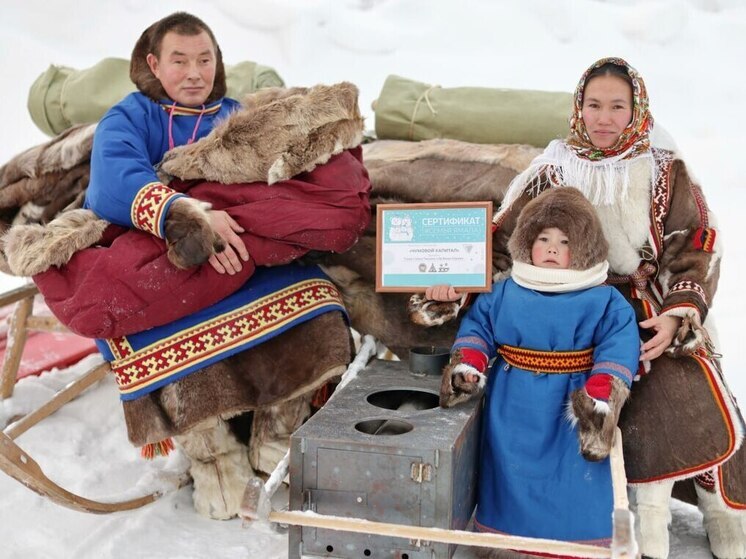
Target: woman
680,421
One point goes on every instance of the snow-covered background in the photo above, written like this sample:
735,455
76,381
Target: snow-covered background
690,53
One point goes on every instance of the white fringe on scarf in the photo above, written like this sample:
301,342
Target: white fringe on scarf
603,182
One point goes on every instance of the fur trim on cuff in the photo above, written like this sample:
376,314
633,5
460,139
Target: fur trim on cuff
189,234
33,249
691,335
465,369
428,313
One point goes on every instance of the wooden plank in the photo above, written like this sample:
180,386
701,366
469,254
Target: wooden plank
14,349
15,295
441,535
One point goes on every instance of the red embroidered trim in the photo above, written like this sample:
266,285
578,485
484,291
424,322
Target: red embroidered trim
704,239
560,362
203,341
120,347
688,286
147,208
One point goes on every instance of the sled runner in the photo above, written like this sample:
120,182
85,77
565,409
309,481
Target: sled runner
13,460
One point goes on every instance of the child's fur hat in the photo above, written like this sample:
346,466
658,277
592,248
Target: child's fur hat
568,210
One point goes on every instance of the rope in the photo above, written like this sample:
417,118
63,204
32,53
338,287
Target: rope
426,96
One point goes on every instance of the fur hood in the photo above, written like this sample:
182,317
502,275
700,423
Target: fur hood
567,209
148,84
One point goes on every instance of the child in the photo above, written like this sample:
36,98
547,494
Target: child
566,350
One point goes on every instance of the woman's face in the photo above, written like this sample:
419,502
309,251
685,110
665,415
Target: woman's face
186,67
607,109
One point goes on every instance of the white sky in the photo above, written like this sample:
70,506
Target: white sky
690,53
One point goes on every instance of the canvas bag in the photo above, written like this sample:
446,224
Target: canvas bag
62,96
412,110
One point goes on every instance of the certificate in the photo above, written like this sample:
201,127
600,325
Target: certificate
419,245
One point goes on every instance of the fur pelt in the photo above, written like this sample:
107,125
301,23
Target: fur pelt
32,249
568,210
278,134
42,181
428,171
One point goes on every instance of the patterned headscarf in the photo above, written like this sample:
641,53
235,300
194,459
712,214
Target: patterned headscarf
634,138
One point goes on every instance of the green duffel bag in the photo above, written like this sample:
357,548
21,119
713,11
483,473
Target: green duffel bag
411,110
62,97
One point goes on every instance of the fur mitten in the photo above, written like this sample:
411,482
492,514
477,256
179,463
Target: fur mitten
189,235
426,312
454,388
596,408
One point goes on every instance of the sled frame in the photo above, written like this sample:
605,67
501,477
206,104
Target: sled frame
13,460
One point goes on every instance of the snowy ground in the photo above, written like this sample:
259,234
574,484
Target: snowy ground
689,51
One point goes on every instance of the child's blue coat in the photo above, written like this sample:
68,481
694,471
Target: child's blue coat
533,480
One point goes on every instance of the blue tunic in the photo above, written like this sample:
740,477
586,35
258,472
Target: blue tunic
533,480
130,140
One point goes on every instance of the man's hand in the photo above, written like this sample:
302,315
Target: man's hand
665,328
228,260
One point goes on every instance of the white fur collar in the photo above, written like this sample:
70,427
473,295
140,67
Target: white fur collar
553,280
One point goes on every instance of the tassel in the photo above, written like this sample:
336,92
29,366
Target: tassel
162,448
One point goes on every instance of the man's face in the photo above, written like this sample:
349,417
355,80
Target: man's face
185,67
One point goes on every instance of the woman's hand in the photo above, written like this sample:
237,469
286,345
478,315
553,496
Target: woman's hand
444,293
228,261
665,328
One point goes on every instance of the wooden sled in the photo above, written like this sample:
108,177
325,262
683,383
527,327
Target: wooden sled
257,506
13,460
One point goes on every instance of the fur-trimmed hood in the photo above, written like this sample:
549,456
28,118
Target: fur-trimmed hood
147,83
567,209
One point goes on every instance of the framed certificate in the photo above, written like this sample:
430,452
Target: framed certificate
419,245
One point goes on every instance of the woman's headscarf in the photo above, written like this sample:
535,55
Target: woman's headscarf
634,139
602,175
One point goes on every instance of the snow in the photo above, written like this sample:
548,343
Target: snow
689,52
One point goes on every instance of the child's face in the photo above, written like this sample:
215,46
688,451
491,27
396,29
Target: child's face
551,249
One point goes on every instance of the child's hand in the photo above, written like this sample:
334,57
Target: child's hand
443,293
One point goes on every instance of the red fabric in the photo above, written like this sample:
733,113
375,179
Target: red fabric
128,285
475,358
599,386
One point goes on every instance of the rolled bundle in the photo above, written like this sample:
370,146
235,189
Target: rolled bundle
411,110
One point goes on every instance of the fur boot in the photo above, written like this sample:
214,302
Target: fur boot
189,234
597,420
652,509
219,467
271,430
725,528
